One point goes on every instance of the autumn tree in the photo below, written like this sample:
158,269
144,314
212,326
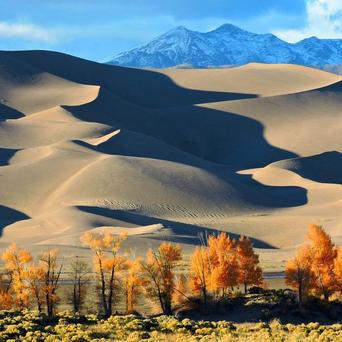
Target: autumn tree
51,269
180,294
223,263
6,298
134,283
158,270
16,262
298,272
199,272
80,277
338,269
323,257
250,273
36,284
107,264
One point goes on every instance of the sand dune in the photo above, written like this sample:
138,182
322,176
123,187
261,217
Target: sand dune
277,79
167,154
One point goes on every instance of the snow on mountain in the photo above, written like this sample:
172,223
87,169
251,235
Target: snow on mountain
229,45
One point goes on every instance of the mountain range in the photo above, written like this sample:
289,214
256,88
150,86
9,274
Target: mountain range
229,45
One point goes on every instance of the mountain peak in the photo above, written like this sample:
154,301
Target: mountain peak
311,39
181,28
230,28
177,30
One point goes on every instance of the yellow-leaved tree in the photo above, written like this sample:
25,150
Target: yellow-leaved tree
180,294
200,272
36,280
158,270
6,299
224,267
134,283
250,273
338,269
16,262
323,257
107,263
298,272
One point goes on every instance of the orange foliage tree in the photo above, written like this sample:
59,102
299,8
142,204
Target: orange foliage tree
16,262
199,272
107,264
134,283
338,269
158,270
35,280
6,299
298,272
249,271
180,296
223,263
323,257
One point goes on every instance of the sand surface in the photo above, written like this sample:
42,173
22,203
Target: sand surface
167,155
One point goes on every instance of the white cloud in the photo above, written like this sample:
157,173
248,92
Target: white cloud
28,31
323,19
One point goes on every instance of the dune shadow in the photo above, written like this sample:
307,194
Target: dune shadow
212,140
335,87
273,196
9,216
140,86
323,168
226,138
6,154
9,113
216,141
150,103
217,136
181,232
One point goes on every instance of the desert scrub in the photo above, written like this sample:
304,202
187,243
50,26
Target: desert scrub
31,327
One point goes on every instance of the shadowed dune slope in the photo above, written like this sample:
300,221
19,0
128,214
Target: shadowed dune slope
166,154
324,168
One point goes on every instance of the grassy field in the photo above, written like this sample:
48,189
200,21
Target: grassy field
29,326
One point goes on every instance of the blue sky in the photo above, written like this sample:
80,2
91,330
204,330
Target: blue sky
99,29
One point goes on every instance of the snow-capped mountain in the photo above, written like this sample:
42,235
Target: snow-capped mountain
229,45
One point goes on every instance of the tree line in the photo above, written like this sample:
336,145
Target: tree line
215,269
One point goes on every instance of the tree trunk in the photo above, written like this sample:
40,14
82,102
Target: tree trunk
126,299
39,304
161,301
167,304
39,307
74,299
300,294
103,288
111,292
205,298
79,295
